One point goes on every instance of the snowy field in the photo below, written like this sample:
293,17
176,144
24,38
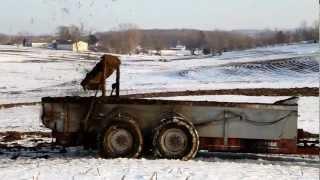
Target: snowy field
91,168
27,74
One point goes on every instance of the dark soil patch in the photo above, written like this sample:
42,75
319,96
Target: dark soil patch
11,136
5,106
306,91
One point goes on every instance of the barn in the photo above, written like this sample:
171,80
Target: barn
80,46
68,45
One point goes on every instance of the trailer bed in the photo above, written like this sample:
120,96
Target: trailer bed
222,126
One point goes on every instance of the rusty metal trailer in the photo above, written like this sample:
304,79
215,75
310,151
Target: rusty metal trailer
131,127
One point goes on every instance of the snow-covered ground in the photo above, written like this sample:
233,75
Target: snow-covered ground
131,169
23,119
27,74
77,163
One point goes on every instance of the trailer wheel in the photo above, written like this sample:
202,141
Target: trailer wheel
176,139
122,139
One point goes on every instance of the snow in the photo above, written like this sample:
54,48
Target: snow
25,118
142,169
27,74
308,112
221,73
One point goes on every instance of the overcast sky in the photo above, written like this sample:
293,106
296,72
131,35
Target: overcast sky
43,16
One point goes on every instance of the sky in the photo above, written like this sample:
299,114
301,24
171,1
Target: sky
43,16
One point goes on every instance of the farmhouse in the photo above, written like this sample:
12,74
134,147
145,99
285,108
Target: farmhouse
39,44
79,46
179,50
62,45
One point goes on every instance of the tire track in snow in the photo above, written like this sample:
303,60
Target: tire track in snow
290,68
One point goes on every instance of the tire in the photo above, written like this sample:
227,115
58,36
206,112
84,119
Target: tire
175,138
121,139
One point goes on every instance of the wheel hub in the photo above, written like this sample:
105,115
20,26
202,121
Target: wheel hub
120,141
174,141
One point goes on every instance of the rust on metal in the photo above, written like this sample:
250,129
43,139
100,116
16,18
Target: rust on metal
96,77
283,146
66,117
124,100
66,139
308,150
217,144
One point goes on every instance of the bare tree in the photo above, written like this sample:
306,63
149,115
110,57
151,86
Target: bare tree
129,37
72,33
126,37
123,39
4,39
281,37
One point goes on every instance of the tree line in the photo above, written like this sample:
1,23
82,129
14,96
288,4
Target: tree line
127,37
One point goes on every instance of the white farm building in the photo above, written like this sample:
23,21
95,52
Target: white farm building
179,50
79,46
